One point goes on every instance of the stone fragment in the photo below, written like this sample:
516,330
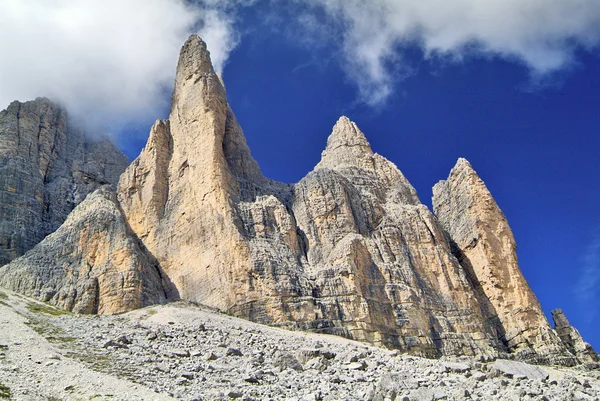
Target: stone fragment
456,367
514,368
287,360
233,352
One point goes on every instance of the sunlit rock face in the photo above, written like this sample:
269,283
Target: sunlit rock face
485,246
47,166
349,250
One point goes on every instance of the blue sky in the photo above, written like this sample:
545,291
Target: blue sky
514,88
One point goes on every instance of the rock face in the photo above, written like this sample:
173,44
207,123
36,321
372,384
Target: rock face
484,244
91,264
47,167
349,250
572,339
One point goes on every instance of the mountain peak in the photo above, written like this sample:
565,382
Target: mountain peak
463,164
346,133
347,145
194,57
197,86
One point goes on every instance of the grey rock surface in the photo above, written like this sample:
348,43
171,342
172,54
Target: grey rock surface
92,264
516,369
275,364
570,336
47,166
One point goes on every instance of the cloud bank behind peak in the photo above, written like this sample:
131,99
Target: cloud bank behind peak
112,62
108,61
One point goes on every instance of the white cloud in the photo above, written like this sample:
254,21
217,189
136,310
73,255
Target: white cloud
108,61
541,34
113,61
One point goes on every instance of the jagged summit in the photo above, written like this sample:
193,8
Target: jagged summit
194,57
197,89
48,165
346,146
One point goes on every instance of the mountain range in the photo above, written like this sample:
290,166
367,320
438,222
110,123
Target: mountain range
349,250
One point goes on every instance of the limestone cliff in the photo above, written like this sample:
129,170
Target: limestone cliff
485,246
91,264
47,166
349,250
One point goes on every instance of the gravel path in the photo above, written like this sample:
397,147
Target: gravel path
181,351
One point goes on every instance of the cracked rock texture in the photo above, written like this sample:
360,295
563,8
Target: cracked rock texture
47,166
349,250
92,264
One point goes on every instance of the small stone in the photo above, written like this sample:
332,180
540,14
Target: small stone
182,353
235,394
288,361
188,375
356,366
252,379
163,367
124,340
114,344
456,367
233,352
480,377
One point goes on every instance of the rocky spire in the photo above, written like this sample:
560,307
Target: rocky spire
197,88
347,146
485,246
572,339
181,205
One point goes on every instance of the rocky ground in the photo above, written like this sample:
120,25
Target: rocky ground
181,351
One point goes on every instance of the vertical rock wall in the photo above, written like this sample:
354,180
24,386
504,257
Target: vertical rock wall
47,167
